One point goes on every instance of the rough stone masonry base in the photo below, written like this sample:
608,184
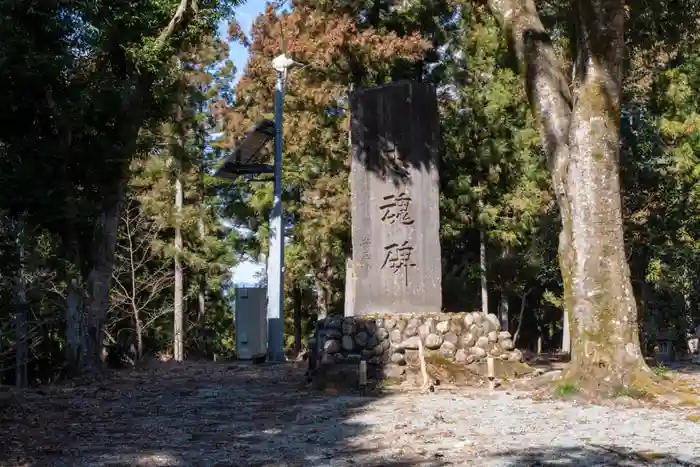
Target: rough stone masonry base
390,341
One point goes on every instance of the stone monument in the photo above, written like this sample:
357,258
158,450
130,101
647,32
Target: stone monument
393,295
395,199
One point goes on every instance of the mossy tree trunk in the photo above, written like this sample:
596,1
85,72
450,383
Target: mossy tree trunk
580,134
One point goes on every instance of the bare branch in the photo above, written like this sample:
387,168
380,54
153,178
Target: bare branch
156,316
138,281
176,20
547,88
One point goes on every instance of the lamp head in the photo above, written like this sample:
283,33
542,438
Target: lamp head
282,63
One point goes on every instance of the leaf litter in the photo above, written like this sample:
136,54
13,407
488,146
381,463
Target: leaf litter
237,414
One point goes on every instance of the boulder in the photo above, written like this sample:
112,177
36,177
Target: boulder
482,342
448,349
398,359
467,340
349,327
504,335
409,344
493,321
348,343
468,320
333,322
332,346
461,356
433,341
394,371
361,339
452,338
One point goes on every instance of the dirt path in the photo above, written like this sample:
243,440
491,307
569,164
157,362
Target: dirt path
205,414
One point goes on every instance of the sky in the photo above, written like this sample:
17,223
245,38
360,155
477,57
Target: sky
245,14
245,272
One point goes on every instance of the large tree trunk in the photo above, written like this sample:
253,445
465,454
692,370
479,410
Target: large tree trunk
201,227
605,332
76,333
75,325
178,318
581,139
22,350
99,280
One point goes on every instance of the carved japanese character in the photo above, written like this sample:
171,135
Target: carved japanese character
395,208
398,257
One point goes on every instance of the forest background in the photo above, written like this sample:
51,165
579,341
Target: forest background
114,234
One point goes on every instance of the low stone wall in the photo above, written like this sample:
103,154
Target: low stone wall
461,338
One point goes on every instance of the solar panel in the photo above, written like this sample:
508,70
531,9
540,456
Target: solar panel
247,157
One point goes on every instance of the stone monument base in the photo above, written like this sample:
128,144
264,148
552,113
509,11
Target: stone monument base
389,343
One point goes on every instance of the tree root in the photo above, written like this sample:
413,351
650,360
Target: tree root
640,384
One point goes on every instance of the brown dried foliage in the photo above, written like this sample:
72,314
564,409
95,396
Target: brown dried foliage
334,49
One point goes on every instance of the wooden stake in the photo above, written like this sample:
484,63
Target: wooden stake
490,373
423,366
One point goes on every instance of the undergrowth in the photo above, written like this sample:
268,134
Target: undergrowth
566,388
660,370
632,392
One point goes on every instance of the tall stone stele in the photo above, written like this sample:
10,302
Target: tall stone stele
395,195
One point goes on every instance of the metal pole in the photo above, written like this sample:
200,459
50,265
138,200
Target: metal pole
275,262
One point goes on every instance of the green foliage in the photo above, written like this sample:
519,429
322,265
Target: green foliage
208,253
660,370
661,178
566,389
493,178
82,80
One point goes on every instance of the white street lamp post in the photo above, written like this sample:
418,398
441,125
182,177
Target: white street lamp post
275,262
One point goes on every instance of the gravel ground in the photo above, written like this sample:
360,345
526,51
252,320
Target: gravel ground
209,415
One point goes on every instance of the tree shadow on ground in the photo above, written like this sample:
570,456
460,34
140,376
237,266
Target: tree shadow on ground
683,367
584,456
194,414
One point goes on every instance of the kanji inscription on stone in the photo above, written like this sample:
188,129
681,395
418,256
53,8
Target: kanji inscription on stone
398,258
395,209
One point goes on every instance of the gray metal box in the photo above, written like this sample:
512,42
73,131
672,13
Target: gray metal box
251,322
